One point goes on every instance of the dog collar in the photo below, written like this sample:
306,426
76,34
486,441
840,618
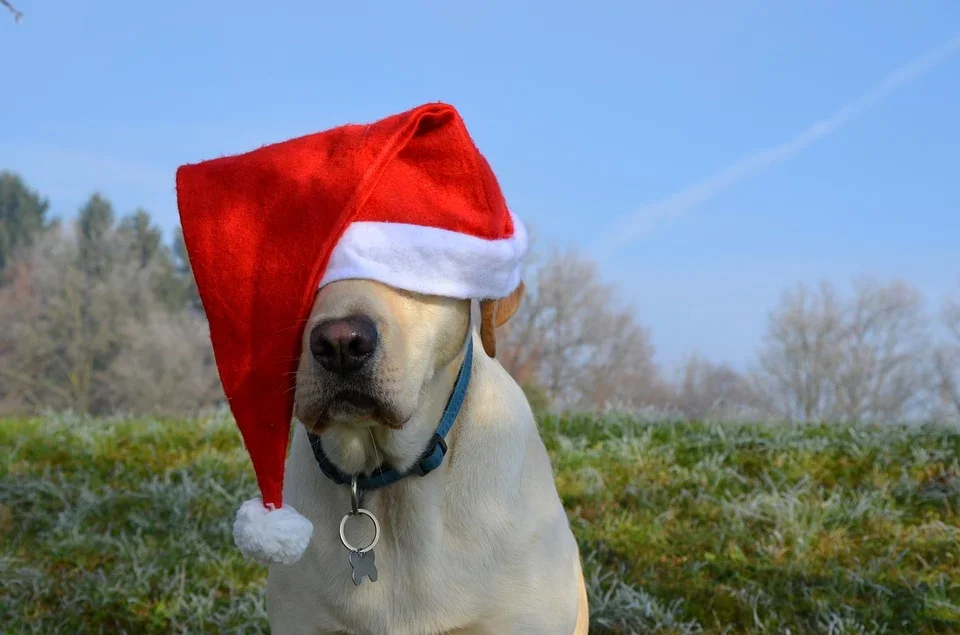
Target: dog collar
432,456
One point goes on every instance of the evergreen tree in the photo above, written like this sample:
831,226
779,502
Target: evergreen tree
146,240
22,215
191,294
94,227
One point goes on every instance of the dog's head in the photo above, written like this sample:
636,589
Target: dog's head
369,351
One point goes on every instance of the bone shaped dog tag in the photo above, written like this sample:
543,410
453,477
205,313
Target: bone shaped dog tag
364,566
361,559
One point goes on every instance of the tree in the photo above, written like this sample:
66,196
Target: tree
97,342
801,354
947,360
191,295
96,321
22,215
620,370
65,326
94,226
145,239
167,365
863,359
884,370
571,339
709,390
169,282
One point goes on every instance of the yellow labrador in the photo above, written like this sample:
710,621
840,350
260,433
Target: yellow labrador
480,545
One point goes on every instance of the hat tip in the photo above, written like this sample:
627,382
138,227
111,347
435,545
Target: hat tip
271,536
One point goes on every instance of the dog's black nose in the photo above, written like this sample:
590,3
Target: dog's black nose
343,346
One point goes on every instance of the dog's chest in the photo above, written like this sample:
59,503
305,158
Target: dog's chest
447,558
427,580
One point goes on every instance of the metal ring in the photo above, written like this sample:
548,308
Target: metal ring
376,531
354,496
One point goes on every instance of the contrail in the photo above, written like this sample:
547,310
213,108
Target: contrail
642,222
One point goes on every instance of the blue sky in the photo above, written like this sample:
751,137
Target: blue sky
608,126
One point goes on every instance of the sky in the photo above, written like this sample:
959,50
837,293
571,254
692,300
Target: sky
708,155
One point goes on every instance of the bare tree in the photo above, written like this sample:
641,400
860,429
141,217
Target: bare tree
801,354
620,368
82,342
571,338
884,373
37,309
708,390
167,366
864,359
947,360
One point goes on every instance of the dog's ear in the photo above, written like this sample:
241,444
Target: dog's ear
495,313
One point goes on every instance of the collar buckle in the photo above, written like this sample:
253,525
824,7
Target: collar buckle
428,461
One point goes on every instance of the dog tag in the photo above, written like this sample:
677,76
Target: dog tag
361,559
363,566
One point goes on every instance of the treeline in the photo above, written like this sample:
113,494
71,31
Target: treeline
876,355
96,316
102,316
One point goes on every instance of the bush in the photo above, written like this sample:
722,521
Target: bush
99,323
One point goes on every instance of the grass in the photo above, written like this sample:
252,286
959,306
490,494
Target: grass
117,526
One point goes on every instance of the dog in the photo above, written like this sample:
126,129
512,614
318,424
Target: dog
482,544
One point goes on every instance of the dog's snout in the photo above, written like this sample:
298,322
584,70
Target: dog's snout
344,345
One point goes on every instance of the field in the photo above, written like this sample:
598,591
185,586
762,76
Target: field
124,526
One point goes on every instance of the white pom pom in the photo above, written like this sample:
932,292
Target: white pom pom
271,536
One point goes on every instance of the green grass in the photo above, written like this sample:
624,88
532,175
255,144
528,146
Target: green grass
124,526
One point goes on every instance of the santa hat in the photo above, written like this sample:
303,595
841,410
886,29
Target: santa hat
408,201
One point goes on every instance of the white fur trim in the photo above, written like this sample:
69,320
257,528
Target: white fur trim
271,536
429,260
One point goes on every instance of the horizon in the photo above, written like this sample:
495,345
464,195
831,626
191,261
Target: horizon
708,161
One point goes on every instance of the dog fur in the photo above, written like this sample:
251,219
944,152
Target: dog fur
480,546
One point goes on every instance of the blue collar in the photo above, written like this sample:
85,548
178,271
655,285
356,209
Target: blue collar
432,456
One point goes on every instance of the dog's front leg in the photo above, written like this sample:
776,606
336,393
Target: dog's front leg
290,623
290,608
288,620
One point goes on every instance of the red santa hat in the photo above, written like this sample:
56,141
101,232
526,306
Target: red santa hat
408,201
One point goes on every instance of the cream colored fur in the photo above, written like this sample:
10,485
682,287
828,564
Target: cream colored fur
482,545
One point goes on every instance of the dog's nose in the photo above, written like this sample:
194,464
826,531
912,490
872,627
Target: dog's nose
343,346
